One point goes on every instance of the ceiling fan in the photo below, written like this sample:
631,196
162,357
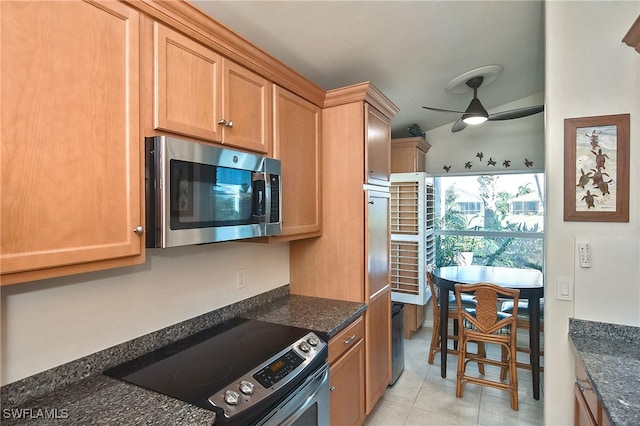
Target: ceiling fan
476,113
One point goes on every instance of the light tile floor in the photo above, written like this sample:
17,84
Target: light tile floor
421,397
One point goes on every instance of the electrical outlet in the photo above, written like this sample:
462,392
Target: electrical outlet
241,280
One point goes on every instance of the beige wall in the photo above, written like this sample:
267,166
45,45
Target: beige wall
51,322
589,72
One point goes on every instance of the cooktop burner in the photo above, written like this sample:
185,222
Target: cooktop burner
199,367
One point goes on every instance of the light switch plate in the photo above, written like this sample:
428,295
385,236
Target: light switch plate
564,288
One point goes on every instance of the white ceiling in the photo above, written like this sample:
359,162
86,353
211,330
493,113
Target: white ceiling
410,50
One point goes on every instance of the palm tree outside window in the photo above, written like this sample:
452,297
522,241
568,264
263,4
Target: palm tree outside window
495,220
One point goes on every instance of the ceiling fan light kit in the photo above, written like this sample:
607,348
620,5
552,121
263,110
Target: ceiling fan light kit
473,119
475,113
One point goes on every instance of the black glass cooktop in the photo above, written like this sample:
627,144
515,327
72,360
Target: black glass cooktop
194,368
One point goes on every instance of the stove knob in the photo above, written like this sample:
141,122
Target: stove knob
246,387
313,341
231,397
304,347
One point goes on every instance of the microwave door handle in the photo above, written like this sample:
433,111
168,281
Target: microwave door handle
259,197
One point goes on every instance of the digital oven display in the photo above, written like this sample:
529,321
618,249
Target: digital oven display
279,369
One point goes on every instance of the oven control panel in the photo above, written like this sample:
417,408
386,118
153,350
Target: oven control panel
269,377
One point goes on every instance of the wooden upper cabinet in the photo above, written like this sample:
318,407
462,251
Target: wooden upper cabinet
246,109
378,139
187,89
632,38
297,125
409,155
71,173
199,93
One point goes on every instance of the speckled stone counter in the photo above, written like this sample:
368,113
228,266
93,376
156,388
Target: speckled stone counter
610,354
326,317
77,393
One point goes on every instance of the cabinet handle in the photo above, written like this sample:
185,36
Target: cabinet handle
138,230
581,382
370,170
371,202
350,339
226,123
332,388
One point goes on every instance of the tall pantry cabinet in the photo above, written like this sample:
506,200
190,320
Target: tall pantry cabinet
350,261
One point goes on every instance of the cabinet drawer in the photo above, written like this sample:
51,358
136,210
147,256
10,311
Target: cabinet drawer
347,338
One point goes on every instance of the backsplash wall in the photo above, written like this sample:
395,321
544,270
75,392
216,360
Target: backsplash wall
51,322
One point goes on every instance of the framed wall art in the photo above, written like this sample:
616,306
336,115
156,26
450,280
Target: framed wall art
596,168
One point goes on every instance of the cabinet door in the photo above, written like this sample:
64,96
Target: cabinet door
346,378
378,347
583,416
247,104
378,147
377,242
187,86
297,145
70,138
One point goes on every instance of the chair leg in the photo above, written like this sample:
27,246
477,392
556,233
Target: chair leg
513,378
482,353
462,355
435,339
504,357
456,332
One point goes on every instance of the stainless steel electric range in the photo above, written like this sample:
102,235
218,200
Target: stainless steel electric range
248,372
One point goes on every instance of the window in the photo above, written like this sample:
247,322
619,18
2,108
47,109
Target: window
493,220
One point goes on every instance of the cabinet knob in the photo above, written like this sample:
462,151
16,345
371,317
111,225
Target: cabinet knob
226,123
138,230
332,388
371,202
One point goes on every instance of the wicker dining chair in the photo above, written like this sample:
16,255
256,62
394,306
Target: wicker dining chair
487,325
523,322
452,314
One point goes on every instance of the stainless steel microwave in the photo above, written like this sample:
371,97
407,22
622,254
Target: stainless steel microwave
198,193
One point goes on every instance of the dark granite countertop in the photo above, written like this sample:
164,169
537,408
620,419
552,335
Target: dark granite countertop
78,394
610,354
303,312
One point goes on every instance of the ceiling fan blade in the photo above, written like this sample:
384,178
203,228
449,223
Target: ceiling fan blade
443,110
458,125
516,113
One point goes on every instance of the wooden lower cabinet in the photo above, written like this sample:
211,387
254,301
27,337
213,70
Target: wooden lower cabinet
378,347
414,316
346,375
588,409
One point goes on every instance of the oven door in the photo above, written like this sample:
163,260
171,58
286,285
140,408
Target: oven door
305,405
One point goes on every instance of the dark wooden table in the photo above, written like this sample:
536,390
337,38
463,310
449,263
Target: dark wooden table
528,281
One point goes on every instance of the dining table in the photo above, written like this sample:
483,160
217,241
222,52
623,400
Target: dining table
528,281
